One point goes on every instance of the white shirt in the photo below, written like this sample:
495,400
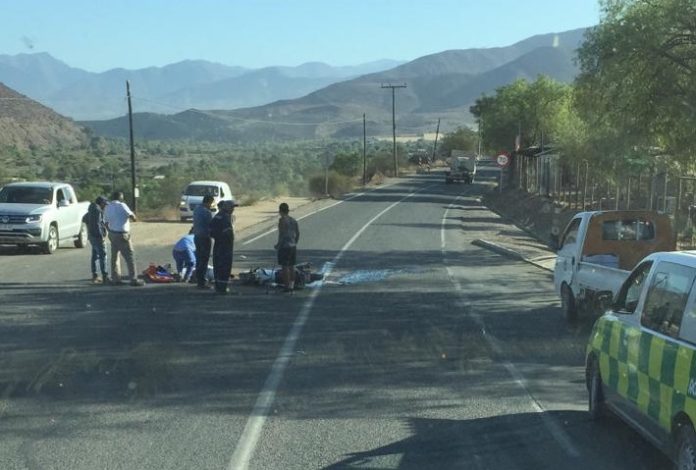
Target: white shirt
117,216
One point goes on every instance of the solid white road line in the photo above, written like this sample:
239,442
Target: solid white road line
551,424
252,430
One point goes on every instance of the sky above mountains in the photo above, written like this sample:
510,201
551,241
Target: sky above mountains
98,36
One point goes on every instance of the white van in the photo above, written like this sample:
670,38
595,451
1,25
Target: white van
192,196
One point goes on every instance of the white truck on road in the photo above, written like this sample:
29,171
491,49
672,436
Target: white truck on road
42,213
462,167
598,250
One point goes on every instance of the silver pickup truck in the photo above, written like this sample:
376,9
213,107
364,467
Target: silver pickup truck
45,214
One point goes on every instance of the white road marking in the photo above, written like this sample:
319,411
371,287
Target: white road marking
252,430
551,424
257,237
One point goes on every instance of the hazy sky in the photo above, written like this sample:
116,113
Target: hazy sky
101,34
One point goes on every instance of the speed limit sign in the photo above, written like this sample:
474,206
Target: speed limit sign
503,159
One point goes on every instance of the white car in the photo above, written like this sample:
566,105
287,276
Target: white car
192,196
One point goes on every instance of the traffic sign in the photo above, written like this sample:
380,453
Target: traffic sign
503,159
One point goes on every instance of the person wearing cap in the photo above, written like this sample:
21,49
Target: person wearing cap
118,217
288,236
96,233
222,231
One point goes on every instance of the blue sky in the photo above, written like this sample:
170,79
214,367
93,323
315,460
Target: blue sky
99,35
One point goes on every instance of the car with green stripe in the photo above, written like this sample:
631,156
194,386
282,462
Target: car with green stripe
641,355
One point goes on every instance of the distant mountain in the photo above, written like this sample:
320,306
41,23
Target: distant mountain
192,83
24,123
440,85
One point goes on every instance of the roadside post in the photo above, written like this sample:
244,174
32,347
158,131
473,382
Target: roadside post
503,160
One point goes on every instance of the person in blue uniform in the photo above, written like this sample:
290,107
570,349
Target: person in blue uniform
222,231
184,254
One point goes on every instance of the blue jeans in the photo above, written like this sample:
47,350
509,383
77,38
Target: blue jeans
98,255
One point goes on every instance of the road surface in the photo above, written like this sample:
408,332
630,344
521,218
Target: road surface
419,351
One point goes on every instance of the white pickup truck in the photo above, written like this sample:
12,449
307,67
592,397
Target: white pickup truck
45,214
598,250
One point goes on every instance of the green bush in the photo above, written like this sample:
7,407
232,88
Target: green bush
338,184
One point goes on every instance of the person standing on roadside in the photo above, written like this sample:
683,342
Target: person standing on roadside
118,217
96,231
202,216
222,230
288,236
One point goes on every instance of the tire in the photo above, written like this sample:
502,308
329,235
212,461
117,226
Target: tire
51,245
81,240
595,401
685,458
570,311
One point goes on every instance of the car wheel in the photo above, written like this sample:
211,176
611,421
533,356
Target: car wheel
686,448
81,240
595,395
51,245
570,311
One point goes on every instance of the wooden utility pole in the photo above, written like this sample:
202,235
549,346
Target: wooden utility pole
393,90
364,151
437,133
132,148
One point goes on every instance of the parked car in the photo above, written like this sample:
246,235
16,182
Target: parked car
641,356
598,250
42,213
192,196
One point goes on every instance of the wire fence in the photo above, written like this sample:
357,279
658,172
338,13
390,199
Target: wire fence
580,186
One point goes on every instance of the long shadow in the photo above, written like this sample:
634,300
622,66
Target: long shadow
518,441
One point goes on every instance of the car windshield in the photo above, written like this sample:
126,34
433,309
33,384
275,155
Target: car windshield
201,190
374,284
25,195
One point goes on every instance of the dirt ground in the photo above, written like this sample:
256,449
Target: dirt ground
167,232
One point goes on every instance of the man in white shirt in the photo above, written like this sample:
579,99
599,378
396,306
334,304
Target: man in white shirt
118,216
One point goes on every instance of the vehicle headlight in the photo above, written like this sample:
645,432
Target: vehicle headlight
33,218
182,203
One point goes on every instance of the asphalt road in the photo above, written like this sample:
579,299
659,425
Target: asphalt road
420,351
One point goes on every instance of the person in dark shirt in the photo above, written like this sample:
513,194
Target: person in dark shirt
96,231
202,216
288,236
222,231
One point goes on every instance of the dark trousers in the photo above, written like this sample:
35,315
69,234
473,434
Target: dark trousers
202,258
222,265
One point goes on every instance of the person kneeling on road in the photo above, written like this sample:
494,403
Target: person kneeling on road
184,254
288,236
222,231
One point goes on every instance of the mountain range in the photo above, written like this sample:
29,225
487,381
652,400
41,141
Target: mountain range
80,94
439,86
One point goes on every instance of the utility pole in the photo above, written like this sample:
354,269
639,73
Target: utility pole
437,133
364,151
132,148
393,90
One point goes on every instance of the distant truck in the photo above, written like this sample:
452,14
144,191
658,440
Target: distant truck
462,167
598,250
192,196
45,214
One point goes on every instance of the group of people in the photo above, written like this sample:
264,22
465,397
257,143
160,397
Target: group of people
211,234
111,219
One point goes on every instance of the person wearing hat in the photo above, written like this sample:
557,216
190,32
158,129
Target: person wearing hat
222,231
288,236
96,233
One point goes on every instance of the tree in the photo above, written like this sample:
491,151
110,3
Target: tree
461,139
638,76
